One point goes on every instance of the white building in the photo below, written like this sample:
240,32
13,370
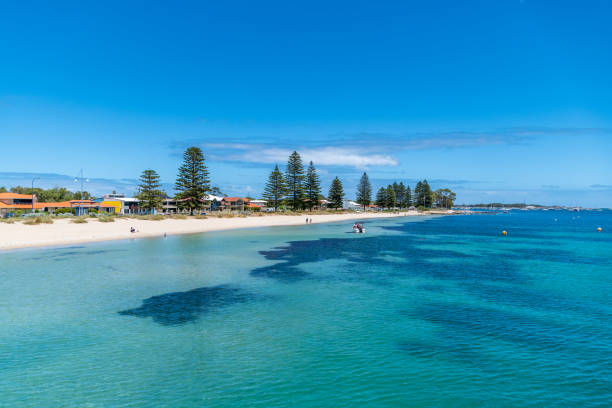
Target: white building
351,205
129,205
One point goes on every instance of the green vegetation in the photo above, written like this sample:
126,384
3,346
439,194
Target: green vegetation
364,191
193,181
312,187
106,218
38,220
444,198
423,194
294,177
79,220
381,198
390,197
336,194
276,189
178,216
406,201
56,194
149,194
151,217
200,217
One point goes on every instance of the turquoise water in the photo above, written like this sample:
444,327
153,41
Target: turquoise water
438,312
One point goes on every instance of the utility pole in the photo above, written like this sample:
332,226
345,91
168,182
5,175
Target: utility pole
35,178
81,198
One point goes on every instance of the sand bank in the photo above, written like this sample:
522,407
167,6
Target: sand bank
63,232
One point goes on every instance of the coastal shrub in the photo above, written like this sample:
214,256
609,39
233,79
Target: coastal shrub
106,218
79,220
178,216
38,220
8,220
200,217
61,211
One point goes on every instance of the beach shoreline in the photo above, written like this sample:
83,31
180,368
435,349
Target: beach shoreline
62,232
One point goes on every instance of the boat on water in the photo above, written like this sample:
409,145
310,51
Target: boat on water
358,228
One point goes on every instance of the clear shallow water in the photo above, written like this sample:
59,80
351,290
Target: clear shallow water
421,313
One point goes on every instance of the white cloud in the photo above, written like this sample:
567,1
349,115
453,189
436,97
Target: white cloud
325,156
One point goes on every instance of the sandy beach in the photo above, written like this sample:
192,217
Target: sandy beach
63,232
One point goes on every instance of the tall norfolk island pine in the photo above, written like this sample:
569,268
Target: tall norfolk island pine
336,193
275,190
149,194
364,191
192,183
295,181
381,197
312,186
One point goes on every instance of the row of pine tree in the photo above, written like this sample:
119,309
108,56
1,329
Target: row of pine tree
299,189
296,188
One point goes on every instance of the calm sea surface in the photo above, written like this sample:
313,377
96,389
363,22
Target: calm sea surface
438,312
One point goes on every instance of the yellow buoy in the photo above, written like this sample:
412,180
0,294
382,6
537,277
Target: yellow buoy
504,233
599,229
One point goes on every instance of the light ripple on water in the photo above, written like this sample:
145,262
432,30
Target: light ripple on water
432,313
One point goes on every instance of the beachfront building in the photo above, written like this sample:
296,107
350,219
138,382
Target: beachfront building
80,207
351,205
173,205
261,204
12,202
234,203
122,204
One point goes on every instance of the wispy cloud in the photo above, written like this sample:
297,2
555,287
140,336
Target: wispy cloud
325,156
365,149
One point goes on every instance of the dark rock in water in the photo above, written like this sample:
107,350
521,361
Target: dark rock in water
178,308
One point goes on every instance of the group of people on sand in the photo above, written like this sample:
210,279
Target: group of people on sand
308,220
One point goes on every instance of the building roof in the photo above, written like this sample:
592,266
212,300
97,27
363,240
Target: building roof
234,199
251,205
37,206
15,196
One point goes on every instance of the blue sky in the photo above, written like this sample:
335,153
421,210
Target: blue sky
500,101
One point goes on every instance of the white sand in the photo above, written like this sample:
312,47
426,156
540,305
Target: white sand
63,232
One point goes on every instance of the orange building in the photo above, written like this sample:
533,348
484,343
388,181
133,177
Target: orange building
11,202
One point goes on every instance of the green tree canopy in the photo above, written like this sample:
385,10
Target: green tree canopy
294,177
216,191
400,191
391,201
149,192
55,194
275,190
192,183
444,198
364,191
312,186
381,197
423,194
336,194
3,190
407,199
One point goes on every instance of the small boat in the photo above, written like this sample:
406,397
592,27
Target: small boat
358,228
